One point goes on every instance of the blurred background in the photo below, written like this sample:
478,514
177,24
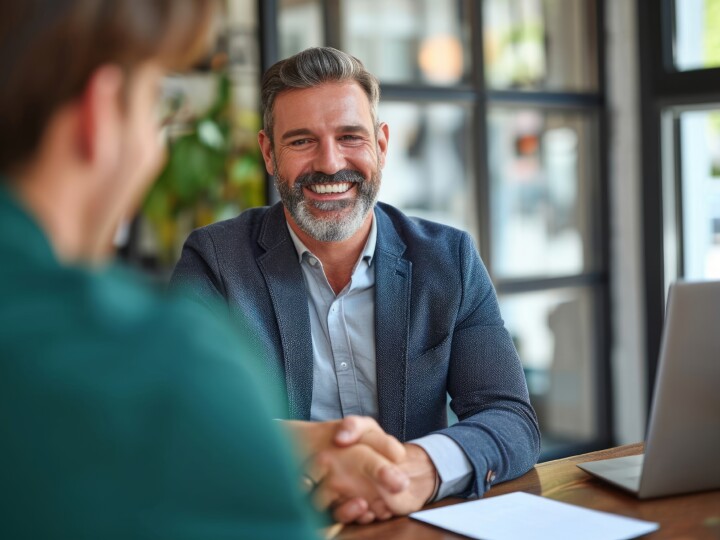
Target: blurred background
578,141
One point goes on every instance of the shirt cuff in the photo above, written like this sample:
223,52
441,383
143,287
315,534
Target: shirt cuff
452,465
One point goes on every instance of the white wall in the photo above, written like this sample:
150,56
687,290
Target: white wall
627,285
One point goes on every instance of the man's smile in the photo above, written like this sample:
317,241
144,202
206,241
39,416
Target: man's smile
333,188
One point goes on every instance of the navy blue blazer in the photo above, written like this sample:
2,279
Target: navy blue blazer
438,330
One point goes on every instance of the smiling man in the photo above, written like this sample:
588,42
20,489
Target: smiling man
363,310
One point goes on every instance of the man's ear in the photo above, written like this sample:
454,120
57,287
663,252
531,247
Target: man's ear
267,150
101,116
383,136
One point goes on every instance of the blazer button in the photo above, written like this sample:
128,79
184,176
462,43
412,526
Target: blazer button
490,477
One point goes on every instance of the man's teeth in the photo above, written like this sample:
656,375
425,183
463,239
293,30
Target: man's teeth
340,187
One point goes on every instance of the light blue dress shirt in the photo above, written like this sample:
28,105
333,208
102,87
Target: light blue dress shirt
343,341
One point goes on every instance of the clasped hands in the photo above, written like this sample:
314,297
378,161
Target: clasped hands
360,473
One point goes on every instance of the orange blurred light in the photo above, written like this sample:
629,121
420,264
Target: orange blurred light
441,59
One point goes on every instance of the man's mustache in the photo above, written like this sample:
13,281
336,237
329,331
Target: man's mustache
345,175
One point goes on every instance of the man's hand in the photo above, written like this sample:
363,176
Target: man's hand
354,481
362,472
378,502
314,437
352,460
423,481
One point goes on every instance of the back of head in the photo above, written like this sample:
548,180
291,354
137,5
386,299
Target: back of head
313,67
50,48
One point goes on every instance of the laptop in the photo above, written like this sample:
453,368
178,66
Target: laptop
682,450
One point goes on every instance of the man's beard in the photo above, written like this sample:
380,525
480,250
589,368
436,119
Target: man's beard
331,228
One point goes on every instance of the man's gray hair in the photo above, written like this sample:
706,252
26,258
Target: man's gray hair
313,67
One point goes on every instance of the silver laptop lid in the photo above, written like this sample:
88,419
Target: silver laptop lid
682,452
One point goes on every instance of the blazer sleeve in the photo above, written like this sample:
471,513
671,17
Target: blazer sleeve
497,428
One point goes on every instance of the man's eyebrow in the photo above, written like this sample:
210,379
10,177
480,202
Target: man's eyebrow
354,128
295,133
304,132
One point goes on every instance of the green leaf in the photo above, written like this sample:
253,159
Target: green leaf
210,134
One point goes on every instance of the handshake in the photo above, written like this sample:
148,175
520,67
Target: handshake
359,472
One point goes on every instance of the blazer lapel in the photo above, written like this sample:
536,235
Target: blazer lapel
392,315
281,270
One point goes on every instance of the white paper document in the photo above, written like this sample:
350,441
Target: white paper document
521,515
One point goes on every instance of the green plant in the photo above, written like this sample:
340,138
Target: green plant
209,174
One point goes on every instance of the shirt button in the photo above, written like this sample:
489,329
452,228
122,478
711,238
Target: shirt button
343,365
313,261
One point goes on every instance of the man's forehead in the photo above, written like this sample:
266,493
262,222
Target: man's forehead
324,89
337,104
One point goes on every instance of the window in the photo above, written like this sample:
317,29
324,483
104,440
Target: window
540,45
427,164
680,56
696,42
543,175
421,42
698,190
300,25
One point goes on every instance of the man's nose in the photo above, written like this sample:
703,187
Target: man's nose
329,158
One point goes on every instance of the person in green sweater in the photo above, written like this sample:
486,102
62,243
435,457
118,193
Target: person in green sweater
123,413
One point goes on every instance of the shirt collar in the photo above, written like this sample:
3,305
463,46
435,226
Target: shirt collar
368,251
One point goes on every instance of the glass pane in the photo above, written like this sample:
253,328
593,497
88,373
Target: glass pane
300,25
427,173
697,40
700,193
540,44
554,335
542,173
408,41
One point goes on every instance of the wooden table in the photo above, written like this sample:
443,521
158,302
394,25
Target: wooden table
683,517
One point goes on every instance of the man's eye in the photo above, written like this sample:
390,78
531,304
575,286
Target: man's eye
299,142
350,138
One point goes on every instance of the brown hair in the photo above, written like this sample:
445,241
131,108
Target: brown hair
50,48
313,67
